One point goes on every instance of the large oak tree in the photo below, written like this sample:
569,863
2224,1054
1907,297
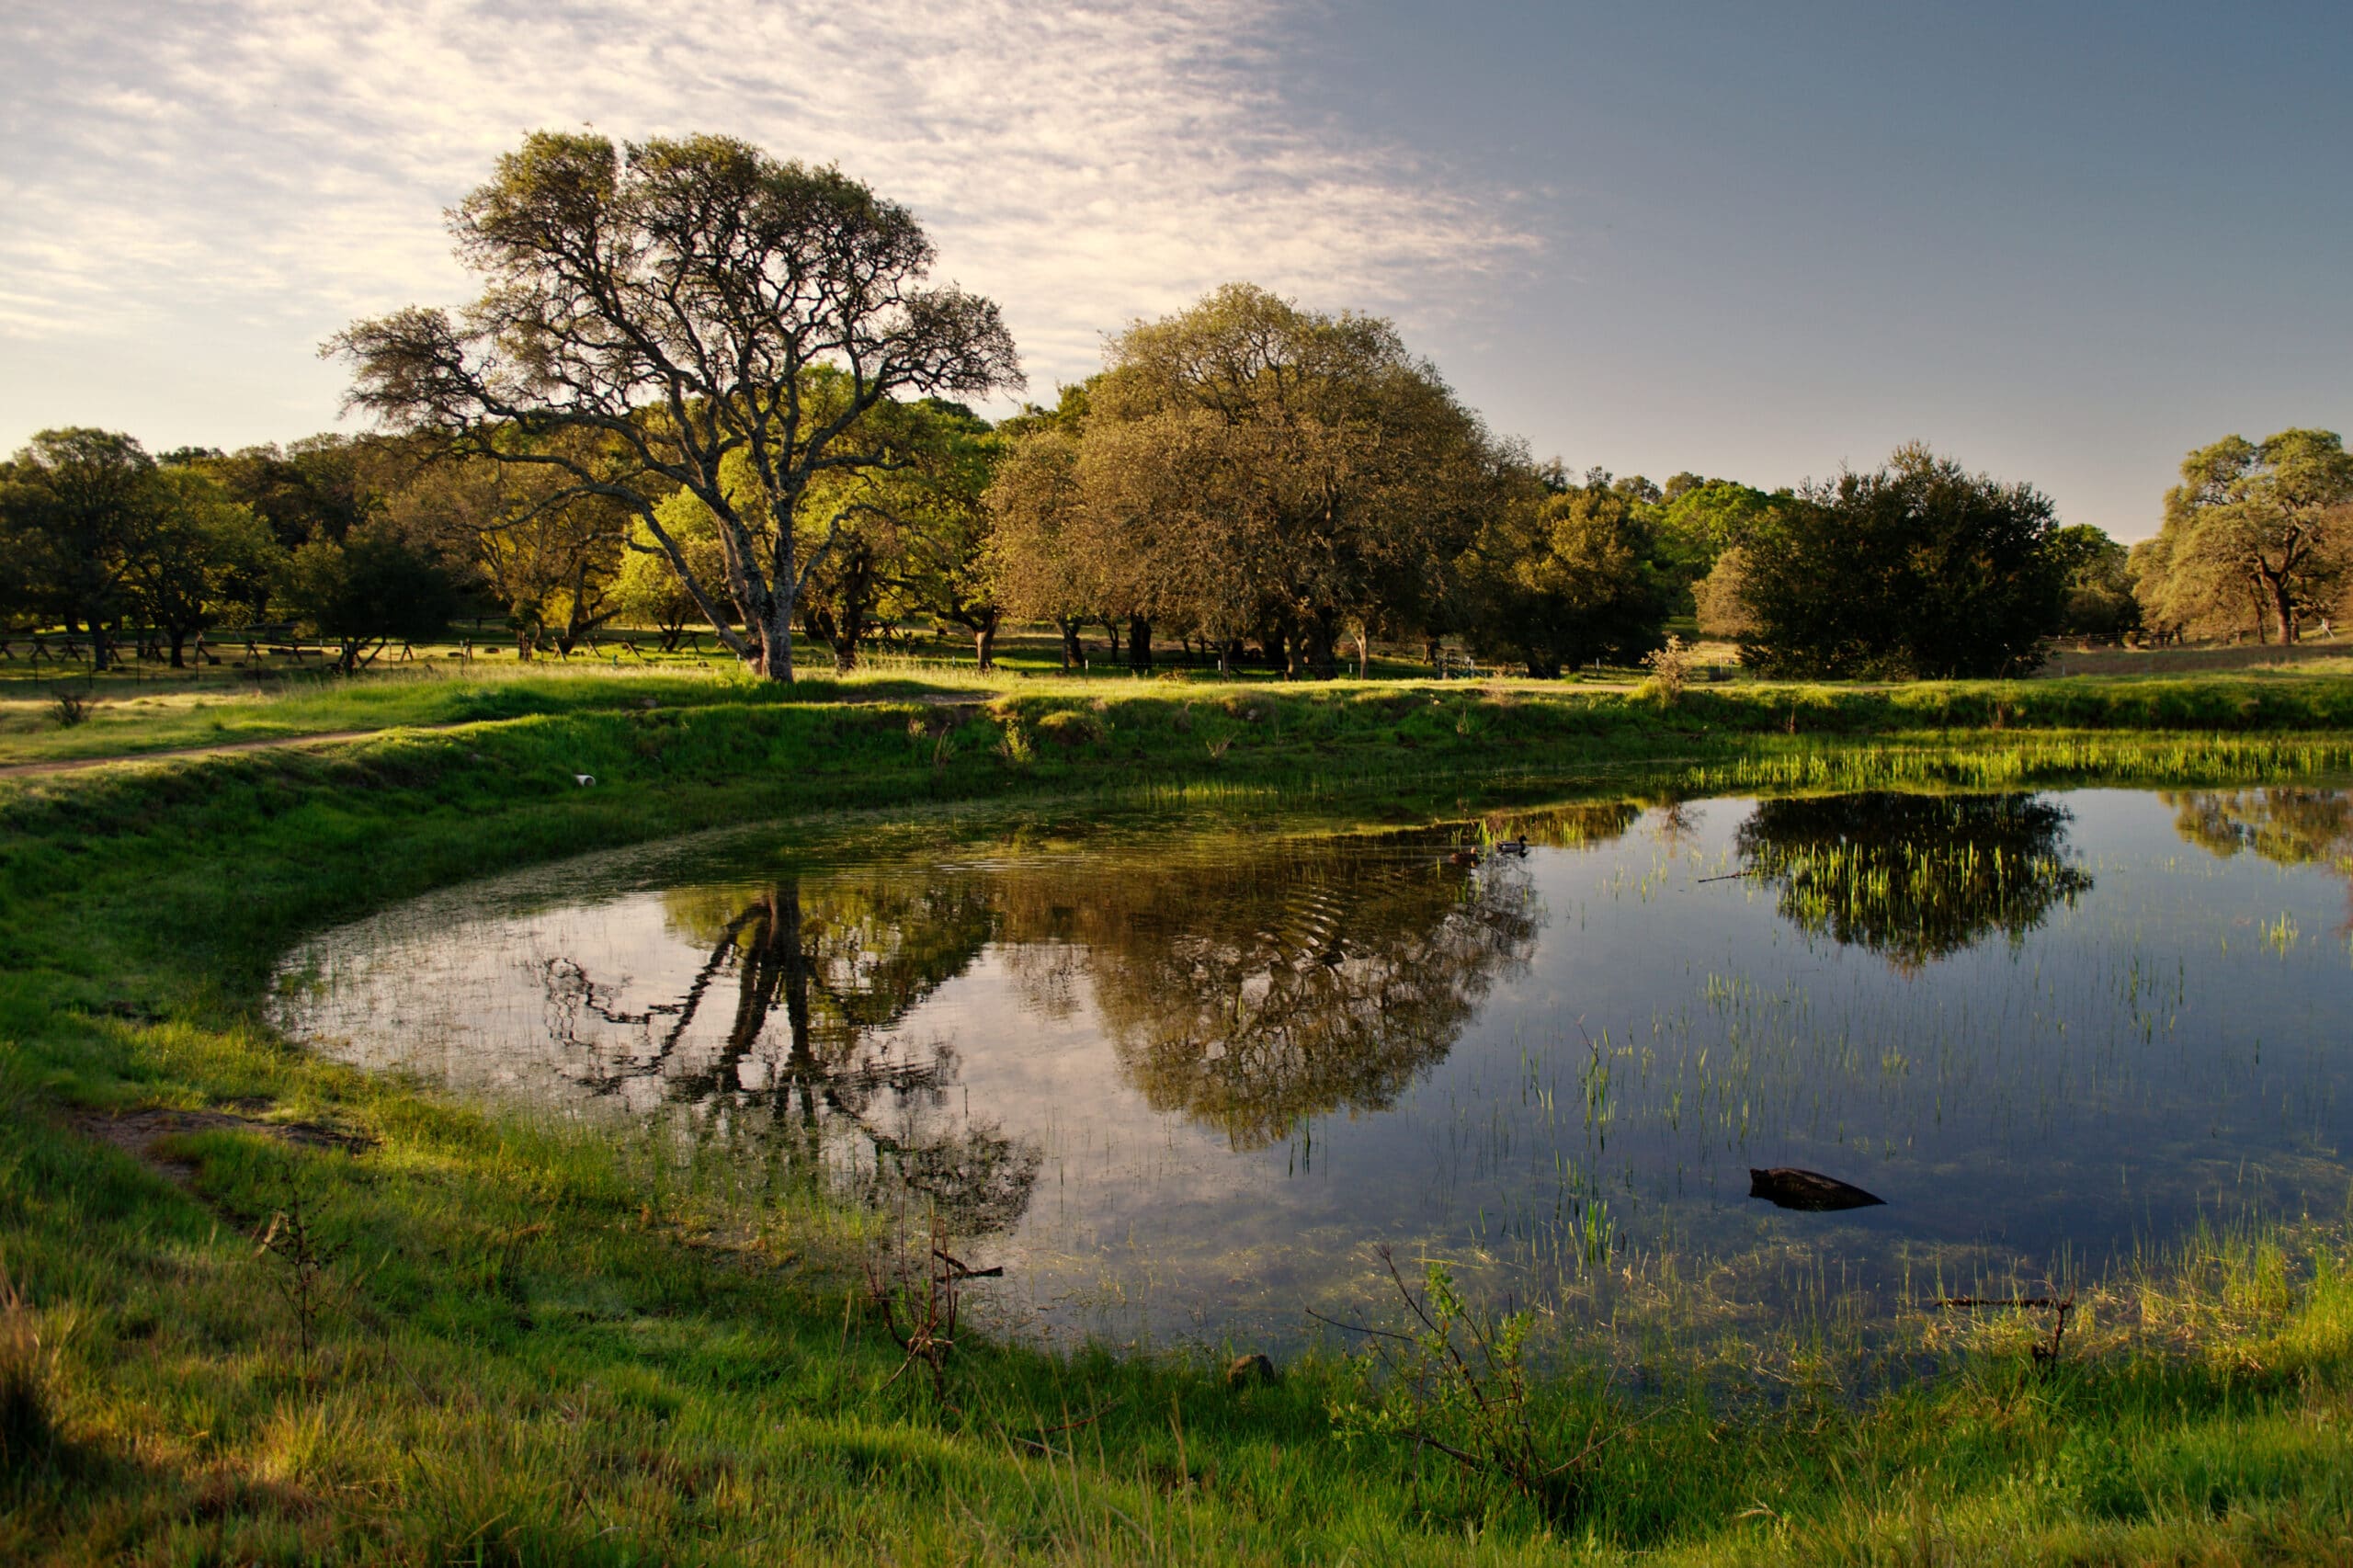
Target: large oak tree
2262,530
676,299
1247,466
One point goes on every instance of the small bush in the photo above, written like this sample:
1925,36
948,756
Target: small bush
1670,668
1459,1386
1015,747
71,708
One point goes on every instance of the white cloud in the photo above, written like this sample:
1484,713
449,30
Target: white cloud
284,163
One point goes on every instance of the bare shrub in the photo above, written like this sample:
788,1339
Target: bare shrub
303,1261
1458,1385
1670,670
919,1303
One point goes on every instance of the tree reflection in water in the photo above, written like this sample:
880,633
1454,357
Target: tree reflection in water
1913,877
1252,990
1247,986
2288,828
836,1090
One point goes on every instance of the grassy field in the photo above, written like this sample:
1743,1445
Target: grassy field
491,1340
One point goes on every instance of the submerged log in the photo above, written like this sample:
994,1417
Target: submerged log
1791,1189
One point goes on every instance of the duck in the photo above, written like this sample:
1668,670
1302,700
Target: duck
1463,858
1516,846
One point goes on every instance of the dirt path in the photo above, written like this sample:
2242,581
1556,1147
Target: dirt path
222,748
332,737
139,1132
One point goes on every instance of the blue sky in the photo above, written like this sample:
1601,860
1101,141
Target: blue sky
2063,242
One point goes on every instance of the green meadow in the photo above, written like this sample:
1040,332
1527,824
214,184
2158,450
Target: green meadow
257,1307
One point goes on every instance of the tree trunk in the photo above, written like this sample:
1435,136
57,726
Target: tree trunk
1139,643
985,645
1073,649
775,633
1111,632
179,639
1323,646
1275,643
2283,606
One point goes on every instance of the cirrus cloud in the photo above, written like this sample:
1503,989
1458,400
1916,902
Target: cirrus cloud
282,163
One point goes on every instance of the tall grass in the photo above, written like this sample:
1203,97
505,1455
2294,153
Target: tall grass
540,1343
27,1433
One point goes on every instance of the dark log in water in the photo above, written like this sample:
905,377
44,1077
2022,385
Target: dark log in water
1810,1190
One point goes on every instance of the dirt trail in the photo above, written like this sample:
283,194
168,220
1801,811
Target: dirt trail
140,1132
220,748
332,737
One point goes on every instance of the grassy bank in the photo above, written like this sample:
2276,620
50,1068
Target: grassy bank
526,1345
215,710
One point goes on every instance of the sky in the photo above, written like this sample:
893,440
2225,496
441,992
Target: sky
2063,243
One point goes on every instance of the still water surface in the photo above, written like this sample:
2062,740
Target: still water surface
1180,1083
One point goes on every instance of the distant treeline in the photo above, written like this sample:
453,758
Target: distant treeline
754,427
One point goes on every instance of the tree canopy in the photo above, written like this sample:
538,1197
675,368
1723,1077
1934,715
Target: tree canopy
1919,568
672,303
1246,468
99,536
2257,534
1565,578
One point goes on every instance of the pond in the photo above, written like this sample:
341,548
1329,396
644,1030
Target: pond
1180,1083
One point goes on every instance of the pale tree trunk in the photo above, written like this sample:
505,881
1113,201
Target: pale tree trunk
775,641
984,646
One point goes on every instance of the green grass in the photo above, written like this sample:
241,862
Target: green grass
538,1345
141,711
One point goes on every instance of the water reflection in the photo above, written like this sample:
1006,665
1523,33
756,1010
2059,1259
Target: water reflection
1247,992
2292,827
836,1085
1913,877
1251,993
1113,1050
